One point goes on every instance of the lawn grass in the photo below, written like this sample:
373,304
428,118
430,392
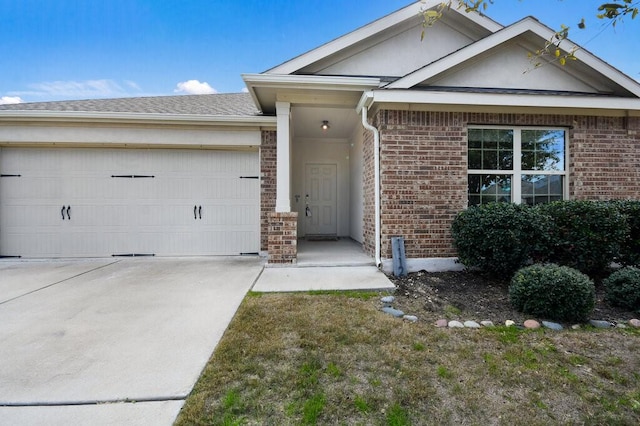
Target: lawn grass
332,359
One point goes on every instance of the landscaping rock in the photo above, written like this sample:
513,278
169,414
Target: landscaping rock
620,325
576,327
387,300
410,318
455,324
471,324
531,324
634,322
395,312
600,324
487,323
552,325
442,323
509,323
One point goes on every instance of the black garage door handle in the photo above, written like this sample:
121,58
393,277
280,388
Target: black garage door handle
200,212
68,209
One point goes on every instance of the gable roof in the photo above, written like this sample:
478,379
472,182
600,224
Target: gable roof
589,68
394,22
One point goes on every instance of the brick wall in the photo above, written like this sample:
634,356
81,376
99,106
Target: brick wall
368,194
605,158
267,184
283,237
424,172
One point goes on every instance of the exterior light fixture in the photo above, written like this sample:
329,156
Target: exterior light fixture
325,125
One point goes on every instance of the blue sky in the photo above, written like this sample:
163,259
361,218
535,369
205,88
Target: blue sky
82,49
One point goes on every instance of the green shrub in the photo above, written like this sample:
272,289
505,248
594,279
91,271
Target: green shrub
623,288
553,292
630,249
586,235
498,237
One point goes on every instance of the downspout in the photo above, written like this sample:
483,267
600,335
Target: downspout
376,172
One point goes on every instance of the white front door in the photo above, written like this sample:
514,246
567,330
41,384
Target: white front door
321,204
60,202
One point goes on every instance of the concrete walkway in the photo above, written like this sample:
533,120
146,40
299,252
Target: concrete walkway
289,279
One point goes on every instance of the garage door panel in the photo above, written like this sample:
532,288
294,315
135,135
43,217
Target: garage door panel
128,215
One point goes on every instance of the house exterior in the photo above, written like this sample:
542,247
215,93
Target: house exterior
370,136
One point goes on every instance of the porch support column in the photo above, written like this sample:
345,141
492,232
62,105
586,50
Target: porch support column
283,162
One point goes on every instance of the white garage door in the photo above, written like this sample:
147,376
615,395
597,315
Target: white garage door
85,202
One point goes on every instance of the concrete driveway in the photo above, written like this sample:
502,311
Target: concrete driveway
111,341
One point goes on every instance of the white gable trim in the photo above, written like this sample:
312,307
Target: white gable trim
416,100
372,29
526,25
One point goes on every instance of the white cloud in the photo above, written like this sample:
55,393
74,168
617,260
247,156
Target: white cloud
194,87
245,90
10,100
88,89
77,89
133,85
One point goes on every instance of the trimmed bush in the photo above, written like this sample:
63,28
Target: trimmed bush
623,288
499,238
587,235
630,249
553,292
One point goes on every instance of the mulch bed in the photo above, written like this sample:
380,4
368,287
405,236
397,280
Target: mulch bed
471,296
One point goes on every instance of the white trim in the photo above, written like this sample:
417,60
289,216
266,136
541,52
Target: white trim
517,171
369,30
120,117
283,158
311,81
501,100
270,84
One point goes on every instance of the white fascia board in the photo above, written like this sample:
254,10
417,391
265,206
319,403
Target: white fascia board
373,28
124,117
503,100
309,82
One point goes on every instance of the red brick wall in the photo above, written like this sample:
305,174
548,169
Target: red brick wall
368,193
283,237
267,184
605,158
424,170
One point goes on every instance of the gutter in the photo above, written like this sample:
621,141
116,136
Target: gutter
367,100
135,117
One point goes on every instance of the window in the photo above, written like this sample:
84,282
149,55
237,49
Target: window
516,165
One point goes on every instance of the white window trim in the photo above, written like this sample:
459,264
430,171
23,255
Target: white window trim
516,172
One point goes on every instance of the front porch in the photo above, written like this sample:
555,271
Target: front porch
340,252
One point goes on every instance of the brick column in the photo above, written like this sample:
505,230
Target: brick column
283,237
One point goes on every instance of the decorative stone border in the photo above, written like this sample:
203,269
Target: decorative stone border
530,324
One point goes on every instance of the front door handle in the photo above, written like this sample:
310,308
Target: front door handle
200,212
69,212
62,212
195,210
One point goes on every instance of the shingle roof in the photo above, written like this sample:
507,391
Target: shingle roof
229,104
